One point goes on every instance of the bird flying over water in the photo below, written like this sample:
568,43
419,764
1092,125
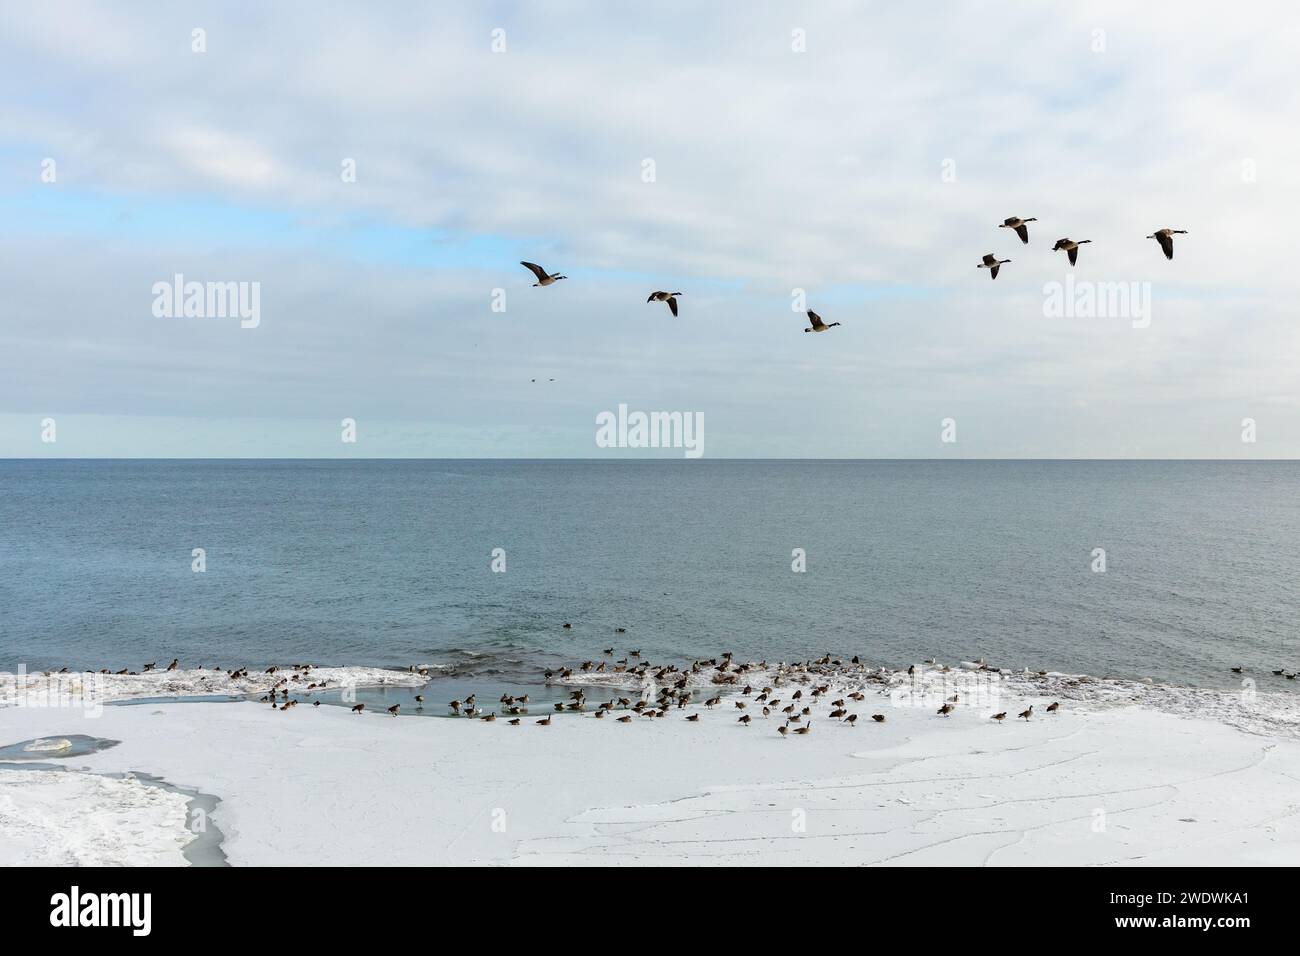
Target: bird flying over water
992,263
1018,224
1166,239
543,277
817,324
669,297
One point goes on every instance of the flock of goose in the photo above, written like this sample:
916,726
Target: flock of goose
1165,237
785,694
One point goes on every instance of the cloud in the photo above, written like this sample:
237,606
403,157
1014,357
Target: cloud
774,170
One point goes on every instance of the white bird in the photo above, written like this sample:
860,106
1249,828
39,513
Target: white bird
669,297
543,278
817,324
993,264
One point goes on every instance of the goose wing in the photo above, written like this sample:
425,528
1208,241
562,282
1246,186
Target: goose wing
1023,232
1073,254
816,320
536,270
993,270
1166,243
672,305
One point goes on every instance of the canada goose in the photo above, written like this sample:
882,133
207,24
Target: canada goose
567,626
693,718
744,720
1237,670
394,709
992,263
1018,224
838,712
1071,248
609,651
358,708
1054,706
1000,717
176,662
945,710
545,722
806,728
625,719
1026,714
669,297
419,698
783,730
543,278
514,723
817,324
740,705
623,630
149,667
1166,239
851,720
878,718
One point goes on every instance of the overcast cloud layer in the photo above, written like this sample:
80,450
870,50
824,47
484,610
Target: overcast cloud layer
869,170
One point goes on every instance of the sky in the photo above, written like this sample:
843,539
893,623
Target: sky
852,158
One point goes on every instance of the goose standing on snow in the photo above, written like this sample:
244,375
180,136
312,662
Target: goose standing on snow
1071,247
817,324
1166,239
992,263
1018,224
669,297
543,277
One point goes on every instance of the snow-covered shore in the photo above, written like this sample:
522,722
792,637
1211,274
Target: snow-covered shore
1107,780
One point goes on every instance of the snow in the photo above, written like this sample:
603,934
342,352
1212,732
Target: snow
1174,777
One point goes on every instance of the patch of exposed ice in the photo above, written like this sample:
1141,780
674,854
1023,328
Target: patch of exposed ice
87,689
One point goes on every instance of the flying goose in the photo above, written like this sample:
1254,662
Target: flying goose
992,263
1166,239
671,299
543,278
1018,224
1071,247
817,324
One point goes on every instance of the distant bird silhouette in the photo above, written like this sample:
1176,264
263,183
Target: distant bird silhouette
992,263
1071,248
1018,224
543,278
1166,239
669,297
817,324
